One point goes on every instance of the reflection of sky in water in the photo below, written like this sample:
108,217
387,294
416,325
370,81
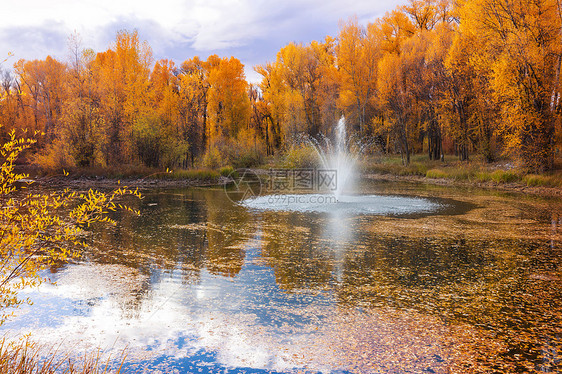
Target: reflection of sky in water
218,321
197,284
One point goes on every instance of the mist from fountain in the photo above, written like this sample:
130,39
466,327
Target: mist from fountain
342,155
337,156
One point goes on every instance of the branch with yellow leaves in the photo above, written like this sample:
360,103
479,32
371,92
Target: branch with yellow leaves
43,228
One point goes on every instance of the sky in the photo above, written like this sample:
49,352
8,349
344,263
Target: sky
251,30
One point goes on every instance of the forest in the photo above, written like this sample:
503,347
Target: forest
468,77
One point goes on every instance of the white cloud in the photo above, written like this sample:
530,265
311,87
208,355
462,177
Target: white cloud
252,30
173,321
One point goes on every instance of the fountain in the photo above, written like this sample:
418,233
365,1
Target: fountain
338,158
342,199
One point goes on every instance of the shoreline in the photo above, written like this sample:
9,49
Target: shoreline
514,187
109,182
148,183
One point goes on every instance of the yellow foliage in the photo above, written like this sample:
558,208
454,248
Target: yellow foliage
41,229
519,55
228,102
478,74
358,53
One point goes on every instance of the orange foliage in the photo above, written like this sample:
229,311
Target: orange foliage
481,75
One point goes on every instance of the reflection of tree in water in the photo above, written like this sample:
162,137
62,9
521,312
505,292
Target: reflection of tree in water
508,288
186,232
225,246
292,249
148,242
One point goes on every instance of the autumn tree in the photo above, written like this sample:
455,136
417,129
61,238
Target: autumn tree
259,116
425,15
433,25
9,102
395,28
41,88
228,103
299,73
301,91
270,107
432,88
192,105
358,53
396,75
458,109
285,105
159,136
328,83
484,75
397,99
122,75
80,136
520,55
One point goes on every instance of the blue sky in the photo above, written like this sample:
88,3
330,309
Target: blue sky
251,30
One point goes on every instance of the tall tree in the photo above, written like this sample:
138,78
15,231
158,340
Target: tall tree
358,53
42,92
123,74
270,92
192,105
228,102
521,56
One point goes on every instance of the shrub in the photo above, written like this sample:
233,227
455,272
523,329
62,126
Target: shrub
483,176
148,140
245,158
542,180
54,157
413,169
41,229
500,176
225,171
461,174
175,152
436,173
213,158
378,168
245,152
300,156
534,180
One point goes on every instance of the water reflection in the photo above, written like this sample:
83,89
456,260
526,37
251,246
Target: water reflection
200,284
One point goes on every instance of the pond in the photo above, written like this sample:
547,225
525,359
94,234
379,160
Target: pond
469,282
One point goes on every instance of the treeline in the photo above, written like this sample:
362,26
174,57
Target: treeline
479,76
119,107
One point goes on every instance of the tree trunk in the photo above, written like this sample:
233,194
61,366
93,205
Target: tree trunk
404,145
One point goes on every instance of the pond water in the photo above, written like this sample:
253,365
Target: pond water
469,282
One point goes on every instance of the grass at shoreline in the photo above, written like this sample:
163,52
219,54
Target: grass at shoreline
135,172
473,171
26,357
